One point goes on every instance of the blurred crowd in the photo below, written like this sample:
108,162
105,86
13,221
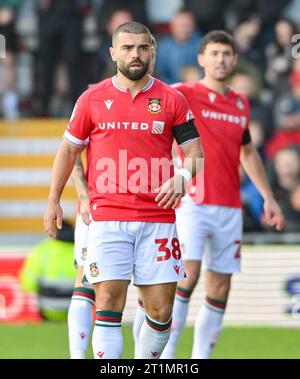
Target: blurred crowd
56,48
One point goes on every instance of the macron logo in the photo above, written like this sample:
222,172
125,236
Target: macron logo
212,97
82,335
108,103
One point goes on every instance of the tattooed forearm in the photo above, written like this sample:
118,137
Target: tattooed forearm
78,179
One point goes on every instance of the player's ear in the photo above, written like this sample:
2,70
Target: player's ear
112,54
200,59
235,59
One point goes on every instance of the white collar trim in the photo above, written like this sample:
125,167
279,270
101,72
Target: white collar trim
146,88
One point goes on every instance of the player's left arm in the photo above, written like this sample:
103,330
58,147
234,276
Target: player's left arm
254,168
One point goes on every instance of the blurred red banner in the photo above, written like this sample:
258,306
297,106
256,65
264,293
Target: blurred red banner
15,304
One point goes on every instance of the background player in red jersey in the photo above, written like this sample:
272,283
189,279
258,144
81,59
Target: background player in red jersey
221,117
131,232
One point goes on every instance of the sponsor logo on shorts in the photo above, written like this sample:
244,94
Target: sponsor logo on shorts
94,270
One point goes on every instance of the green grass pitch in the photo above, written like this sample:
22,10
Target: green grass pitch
49,340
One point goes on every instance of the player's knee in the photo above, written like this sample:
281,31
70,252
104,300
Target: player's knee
109,301
221,290
160,313
191,280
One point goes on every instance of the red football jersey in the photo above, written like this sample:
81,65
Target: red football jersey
221,122
128,138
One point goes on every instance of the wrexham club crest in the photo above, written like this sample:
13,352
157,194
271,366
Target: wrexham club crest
94,270
154,106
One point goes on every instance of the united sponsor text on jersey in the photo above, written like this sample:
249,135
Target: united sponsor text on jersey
157,126
123,125
233,119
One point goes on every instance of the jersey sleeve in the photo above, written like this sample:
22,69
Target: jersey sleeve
80,125
184,129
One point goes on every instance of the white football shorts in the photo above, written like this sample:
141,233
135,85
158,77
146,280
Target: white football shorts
147,251
212,234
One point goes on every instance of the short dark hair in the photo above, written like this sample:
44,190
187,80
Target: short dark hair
217,36
132,27
153,41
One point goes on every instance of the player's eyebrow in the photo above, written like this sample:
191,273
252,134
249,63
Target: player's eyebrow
141,45
222,50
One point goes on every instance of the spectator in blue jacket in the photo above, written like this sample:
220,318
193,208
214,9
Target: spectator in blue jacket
179,49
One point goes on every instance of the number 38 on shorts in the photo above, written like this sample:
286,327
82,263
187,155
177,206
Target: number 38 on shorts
167,249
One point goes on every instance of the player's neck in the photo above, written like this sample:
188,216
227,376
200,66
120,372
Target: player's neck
134,86
217,86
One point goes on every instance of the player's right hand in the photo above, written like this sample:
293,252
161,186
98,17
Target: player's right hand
273,215
53,218
171,192
84,210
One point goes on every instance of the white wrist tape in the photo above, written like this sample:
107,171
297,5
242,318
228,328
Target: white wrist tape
185,173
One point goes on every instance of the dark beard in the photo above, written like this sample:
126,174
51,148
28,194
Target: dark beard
136,74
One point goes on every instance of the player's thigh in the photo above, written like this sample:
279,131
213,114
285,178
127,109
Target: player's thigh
157,255
111,295
80,241
224,254
192,228
158,300
110,252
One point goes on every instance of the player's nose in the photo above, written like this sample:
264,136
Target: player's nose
135,53
220,58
